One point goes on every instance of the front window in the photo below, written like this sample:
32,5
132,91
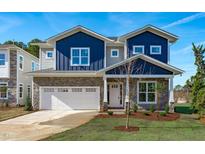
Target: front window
114,53
147,92
3,90
49,54
2,59
80,56
138,49
20,90
33,66
155,49
21,61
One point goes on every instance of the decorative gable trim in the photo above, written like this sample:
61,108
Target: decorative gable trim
75,30
171,37
171,68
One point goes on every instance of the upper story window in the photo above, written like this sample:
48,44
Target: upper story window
33,67
21,62
80,56
49,54
3,90
155,49
114,52
137,49
2,59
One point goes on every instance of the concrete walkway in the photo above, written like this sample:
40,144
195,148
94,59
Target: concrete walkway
41,124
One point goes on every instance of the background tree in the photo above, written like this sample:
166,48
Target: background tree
199,78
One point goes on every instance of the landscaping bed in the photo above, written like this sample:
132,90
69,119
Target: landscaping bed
12,112
129,129
144,115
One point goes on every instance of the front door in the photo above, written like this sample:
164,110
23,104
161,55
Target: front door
115,95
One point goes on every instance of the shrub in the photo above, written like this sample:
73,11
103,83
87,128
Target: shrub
110,113
146,113
135,107
28,104
151,109
166,108
183,109
162,114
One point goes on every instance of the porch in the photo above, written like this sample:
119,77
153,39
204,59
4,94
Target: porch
141,89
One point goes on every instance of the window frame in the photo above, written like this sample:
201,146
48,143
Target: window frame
7,93
80,50
146,92
4,60
21,56
21,85
138,46
155,46
47,54
33,62
29,94
113,55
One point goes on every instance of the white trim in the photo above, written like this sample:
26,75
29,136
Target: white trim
111,55
137,46
21,85
48,51
125,50
32,92
54,61
168,54
146,58
155,102
75,30
7,93
139,76
105,54
105,97
22,62
155,46
80,48
171,37
171,90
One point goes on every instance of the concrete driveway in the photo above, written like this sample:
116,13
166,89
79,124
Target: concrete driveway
41,124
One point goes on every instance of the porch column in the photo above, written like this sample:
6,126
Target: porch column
105,90
171,94
127,90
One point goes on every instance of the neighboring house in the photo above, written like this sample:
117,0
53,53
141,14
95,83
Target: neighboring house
81,69
15,85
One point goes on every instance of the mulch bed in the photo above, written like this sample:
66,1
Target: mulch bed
202,120
152,116
129,129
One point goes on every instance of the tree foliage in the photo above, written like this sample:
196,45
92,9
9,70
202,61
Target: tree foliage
199,79
32,49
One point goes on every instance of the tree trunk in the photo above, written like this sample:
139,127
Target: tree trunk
128,115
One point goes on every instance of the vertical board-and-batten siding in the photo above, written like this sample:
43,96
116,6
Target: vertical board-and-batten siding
147,39
80,39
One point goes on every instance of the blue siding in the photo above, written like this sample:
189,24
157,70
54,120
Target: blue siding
79,39
140,67
147,39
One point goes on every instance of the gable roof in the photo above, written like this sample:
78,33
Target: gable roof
76,29
13,46
176,71
171,37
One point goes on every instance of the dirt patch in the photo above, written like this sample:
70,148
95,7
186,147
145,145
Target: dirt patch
202,120
141,115
129,129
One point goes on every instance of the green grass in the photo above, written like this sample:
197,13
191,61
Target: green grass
8,113
102,129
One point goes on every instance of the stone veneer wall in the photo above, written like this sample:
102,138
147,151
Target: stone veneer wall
162,98
65,81
12,80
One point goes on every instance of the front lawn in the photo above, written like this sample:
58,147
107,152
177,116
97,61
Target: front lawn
102,129
8,113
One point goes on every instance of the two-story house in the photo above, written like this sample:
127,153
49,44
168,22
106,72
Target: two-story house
81,69
15,85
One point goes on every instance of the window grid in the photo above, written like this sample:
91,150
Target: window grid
2,59
3,91
80,56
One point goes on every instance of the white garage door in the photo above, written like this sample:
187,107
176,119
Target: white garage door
69,98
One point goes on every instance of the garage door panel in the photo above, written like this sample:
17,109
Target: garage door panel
69,98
